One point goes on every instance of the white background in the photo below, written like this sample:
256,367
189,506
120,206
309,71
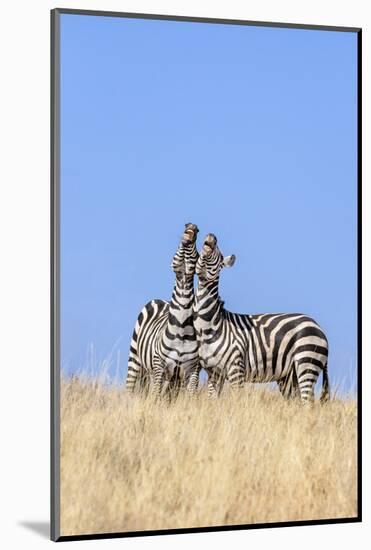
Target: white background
24,272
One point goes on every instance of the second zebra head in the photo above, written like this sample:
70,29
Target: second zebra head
211,260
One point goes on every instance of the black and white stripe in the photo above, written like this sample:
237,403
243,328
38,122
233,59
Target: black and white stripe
289,348
164,346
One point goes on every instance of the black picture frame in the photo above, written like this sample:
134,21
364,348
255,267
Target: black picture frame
55,272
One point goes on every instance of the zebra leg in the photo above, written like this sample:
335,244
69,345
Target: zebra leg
307,374
325,394
288,385
215,383
143,382
211,390
134,370
158,377
174,385
212,385
192,383
236,375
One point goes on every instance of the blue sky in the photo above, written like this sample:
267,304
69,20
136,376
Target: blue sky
250,132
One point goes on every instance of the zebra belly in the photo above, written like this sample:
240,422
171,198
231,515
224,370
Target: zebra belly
258,372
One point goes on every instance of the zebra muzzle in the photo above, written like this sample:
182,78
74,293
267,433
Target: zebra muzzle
209,244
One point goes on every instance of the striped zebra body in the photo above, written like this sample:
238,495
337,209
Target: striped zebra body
290,349
164,347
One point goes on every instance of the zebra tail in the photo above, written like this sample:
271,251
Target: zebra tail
325,394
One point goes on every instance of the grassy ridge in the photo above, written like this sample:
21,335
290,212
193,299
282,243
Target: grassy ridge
130,464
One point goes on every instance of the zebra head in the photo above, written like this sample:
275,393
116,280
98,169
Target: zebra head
185,258
211,260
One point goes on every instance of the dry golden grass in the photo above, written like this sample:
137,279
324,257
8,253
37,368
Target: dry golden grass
129,464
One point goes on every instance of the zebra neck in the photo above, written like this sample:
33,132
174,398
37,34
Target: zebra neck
208,306
191,257
183,296
179,330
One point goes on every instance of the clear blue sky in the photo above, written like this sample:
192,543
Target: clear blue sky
250,132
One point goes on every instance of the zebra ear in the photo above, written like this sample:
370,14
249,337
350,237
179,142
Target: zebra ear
229,260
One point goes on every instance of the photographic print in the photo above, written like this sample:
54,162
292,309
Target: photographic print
205,274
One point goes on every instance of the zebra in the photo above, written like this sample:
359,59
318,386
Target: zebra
289,348
164,345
